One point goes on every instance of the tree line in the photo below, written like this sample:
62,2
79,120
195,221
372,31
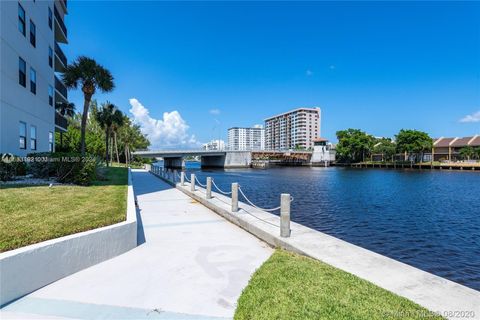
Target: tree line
355,145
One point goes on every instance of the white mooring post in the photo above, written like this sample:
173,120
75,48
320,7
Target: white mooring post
192,182
182,178
285,215
209,188
234,197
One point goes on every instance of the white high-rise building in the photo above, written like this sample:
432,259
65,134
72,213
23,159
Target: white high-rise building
246,138
293,129
30,56
214,145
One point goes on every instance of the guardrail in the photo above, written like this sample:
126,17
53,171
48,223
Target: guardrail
60,21
61,88
60,54
174,177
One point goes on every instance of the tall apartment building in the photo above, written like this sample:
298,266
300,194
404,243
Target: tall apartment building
246,138
293,129
30,56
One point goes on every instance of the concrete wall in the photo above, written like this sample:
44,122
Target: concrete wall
239,159
232,159
29,268
322,154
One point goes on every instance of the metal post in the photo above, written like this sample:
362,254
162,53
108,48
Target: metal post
182,178
234,197
285,215
192,182
209,188
174,175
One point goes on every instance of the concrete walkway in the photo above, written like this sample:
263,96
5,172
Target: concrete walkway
190,264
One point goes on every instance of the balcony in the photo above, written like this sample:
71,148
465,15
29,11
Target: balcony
64,4
61,123
60,28
60,59
61,89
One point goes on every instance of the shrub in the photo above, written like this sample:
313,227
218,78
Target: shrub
66,167
10,167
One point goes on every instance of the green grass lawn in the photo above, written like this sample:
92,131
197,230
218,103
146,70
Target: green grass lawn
31,214
290,286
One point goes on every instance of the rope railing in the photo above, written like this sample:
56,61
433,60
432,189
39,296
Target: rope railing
255,206
220,190
285,199
199,183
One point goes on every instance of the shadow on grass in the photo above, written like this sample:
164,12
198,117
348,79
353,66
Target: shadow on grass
106,176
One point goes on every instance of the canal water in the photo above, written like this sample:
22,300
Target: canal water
427,219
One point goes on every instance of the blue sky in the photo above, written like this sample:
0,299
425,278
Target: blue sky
378,66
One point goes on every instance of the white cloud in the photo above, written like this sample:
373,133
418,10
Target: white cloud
309,73
214,111
169,132
474,117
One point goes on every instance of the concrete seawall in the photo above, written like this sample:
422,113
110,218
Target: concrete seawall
29,268
430,291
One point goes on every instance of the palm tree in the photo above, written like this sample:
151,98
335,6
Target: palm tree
65,108
109,116
91,76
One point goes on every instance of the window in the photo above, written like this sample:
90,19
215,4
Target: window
50,141
21,20
50,18
50,56
33,34
50,95
22,132
22,72
33,81
33,137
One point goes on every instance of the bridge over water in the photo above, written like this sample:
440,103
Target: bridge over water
225,158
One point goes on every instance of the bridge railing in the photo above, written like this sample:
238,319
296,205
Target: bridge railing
181,179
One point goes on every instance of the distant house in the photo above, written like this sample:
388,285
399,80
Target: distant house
448,149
